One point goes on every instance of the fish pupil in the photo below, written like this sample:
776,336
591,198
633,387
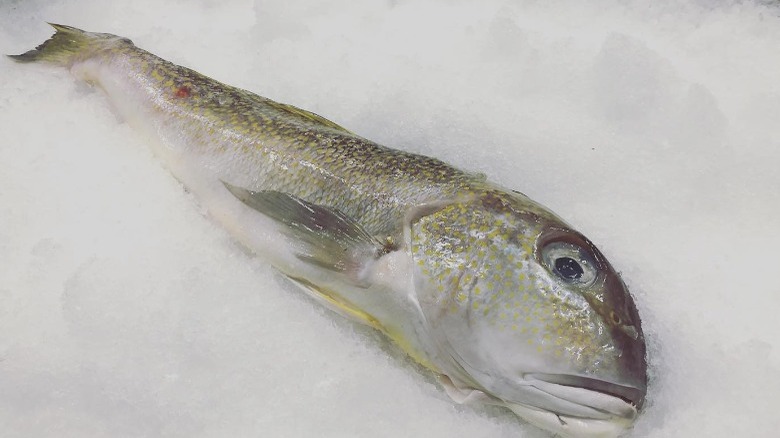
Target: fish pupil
568,268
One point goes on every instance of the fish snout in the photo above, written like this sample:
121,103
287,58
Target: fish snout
626,331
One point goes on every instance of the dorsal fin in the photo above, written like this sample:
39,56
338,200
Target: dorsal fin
308,115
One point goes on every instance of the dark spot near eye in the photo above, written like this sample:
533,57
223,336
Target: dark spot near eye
568,268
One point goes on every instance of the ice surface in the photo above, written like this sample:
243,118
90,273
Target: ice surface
651,126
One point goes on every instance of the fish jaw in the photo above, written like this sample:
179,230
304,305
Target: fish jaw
569,426
569,411
602,409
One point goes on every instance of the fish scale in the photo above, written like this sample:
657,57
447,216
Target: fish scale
289,149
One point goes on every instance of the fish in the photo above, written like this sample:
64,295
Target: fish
502,300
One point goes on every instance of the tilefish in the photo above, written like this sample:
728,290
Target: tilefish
499,297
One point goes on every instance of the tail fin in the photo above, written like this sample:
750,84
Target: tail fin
65,46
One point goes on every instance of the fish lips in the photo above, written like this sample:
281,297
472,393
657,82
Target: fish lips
607,397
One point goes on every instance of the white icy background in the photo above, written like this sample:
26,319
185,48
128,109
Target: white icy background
650,126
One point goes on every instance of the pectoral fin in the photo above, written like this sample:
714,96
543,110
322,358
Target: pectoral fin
321,236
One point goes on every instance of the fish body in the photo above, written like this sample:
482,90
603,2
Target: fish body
506,302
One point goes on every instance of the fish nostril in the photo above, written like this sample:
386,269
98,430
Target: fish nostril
630,331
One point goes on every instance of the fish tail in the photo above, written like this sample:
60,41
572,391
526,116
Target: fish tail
67,45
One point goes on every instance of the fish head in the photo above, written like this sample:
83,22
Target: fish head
527,313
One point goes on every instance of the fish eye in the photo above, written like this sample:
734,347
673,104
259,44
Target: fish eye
568,268
570,263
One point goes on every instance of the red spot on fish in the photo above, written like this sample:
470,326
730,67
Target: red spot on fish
183,92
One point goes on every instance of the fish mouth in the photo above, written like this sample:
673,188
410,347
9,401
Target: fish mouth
630,394
577,406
